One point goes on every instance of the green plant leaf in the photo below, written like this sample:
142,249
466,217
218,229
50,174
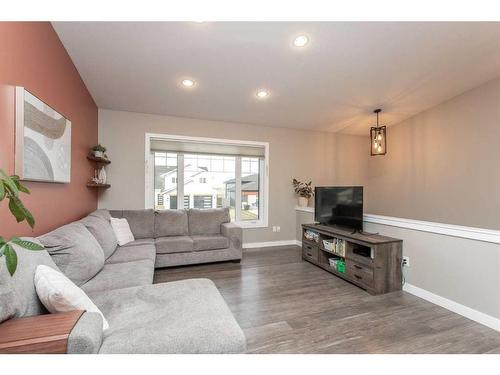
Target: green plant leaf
26,244
19,186
10,259
2,191
9,184
2,249
15,209
20,212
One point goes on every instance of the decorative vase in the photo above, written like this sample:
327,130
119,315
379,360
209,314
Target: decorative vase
98,154
303,201
102,176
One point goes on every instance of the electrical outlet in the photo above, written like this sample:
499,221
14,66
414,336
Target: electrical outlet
274,228
278,228
406,261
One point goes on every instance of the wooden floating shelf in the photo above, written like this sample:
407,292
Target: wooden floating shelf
94,185
98,160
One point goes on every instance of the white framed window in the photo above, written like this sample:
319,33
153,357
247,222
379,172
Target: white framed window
208,173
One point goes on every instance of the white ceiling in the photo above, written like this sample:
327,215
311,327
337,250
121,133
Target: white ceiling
332,84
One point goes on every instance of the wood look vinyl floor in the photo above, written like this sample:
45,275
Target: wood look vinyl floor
287,305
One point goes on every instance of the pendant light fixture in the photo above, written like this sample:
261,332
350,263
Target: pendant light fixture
378,138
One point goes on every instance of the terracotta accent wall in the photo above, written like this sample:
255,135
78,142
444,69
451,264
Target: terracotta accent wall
31,55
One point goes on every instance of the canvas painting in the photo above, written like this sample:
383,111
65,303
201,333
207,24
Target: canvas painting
43,140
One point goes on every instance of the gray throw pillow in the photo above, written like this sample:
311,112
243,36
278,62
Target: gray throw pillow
75,251
103,232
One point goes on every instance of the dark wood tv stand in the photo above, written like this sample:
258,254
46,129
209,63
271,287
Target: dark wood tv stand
372,262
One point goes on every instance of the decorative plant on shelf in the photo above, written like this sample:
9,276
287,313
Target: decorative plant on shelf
304,190
98,150
10,188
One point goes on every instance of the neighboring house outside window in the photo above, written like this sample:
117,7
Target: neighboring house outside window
211,181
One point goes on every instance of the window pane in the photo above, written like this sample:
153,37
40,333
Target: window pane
250,188
165,180
209,182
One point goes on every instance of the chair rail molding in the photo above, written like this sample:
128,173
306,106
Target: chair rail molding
471,233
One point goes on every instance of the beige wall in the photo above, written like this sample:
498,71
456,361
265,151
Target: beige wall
302,154
443,165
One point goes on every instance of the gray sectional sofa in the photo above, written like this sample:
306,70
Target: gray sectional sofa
184,237
187,316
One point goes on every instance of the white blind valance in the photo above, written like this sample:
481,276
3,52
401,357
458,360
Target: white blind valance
208,147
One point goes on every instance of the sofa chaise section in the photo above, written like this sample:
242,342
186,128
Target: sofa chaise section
187,316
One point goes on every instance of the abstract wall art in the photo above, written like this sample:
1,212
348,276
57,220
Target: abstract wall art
43,140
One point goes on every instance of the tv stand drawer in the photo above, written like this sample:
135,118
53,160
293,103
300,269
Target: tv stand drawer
360,273
310,252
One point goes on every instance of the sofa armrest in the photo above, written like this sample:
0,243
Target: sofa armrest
234,233
86,336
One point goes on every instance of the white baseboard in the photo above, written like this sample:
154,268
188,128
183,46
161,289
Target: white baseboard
456,307
253,245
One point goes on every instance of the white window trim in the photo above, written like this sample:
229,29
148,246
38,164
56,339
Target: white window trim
264,173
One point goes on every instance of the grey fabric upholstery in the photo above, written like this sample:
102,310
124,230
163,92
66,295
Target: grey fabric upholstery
171,223
75,251
132,253
140,242
188,316
21,285
207,221
205,242
196,257
102,213
86,335
9,304
142,222
234,233
174,244
121,275
103,232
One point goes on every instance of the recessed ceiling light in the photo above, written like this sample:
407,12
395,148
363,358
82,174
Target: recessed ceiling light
187,83
300,41
262,94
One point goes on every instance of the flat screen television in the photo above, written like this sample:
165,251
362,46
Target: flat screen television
339,205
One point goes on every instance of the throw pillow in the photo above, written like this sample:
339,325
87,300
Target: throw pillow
122,231
59,294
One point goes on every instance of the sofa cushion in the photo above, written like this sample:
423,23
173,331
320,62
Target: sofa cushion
187,316
142,222
174,244
132,253
120,275
103,233
17,293
209,242
75,251
171,223
207,221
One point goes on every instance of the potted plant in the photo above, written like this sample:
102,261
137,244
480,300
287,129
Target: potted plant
98,151
304,190
10,188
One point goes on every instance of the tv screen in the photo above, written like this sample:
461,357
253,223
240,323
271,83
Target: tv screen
339,205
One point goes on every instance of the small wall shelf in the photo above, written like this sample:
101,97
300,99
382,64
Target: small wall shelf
100,164
103,186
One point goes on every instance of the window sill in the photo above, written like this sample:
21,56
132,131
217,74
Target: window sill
251,224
